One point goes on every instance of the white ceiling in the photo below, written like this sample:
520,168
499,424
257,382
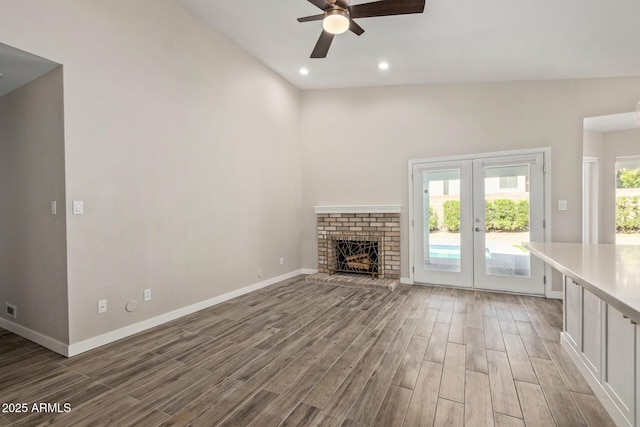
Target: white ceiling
19,68
454,41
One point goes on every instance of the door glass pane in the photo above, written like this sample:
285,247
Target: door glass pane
441,222
507,220
628,203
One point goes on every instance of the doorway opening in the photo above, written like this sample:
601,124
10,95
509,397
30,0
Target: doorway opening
611,179
470,215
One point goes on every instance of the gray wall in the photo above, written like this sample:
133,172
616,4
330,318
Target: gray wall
375,132
183,147
32,240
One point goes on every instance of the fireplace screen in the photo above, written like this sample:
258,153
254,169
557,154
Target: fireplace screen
359,254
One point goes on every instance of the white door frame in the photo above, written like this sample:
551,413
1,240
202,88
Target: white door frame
546,151
590,199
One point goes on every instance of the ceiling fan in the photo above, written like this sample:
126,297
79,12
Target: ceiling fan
338,17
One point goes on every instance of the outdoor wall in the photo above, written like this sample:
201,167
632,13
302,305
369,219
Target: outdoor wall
33,269
184,149
615,144
360,154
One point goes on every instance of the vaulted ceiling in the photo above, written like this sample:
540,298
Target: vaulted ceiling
453,41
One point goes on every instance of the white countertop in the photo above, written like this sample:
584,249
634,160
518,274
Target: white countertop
611,272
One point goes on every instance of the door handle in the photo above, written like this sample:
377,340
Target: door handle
478,229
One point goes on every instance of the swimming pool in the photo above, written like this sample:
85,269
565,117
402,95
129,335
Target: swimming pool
449,251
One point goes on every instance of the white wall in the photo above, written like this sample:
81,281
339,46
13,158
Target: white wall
359,153
32,240
183,148
186,151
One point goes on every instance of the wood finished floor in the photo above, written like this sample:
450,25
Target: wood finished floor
299,354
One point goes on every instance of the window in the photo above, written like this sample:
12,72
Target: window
508,182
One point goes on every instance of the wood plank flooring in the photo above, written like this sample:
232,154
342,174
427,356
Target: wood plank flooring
299,354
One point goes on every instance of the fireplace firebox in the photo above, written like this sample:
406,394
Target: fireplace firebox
356,254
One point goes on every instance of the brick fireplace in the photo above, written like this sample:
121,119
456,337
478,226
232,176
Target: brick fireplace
359,245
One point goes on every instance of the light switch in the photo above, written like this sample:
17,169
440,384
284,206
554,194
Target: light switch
78,207
562,205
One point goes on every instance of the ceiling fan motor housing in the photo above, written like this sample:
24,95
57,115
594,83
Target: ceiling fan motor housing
336,20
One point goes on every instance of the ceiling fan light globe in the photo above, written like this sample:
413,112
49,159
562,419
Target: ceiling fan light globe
336,23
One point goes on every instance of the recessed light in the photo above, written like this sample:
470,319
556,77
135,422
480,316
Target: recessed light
383,66
304,71
1,75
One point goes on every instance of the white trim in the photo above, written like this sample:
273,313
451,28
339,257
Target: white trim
411,223
309,271
109,337
406,281
627,159
555,294
478,156
357,209
38,338
594,383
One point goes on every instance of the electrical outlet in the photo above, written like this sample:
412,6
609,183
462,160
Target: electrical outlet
281,260
147,295
54,207
102,306
12,311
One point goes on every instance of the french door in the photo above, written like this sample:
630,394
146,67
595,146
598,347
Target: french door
470,219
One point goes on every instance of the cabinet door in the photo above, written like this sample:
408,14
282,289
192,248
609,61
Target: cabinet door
619,372
592,332
572,312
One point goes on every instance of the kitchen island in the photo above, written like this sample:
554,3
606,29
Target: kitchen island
601,316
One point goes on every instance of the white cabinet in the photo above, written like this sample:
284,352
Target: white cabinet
572,312
618,376
583,325
637,375
605,345
591,343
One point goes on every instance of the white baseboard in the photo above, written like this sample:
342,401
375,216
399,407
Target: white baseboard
406,281
555,294
36,337
109,337
309,271
598,390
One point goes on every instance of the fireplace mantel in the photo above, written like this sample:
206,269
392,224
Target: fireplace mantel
347,209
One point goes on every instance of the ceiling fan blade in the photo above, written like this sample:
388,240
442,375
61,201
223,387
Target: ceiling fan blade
320,4
312,18
355,28
386,8
323,45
